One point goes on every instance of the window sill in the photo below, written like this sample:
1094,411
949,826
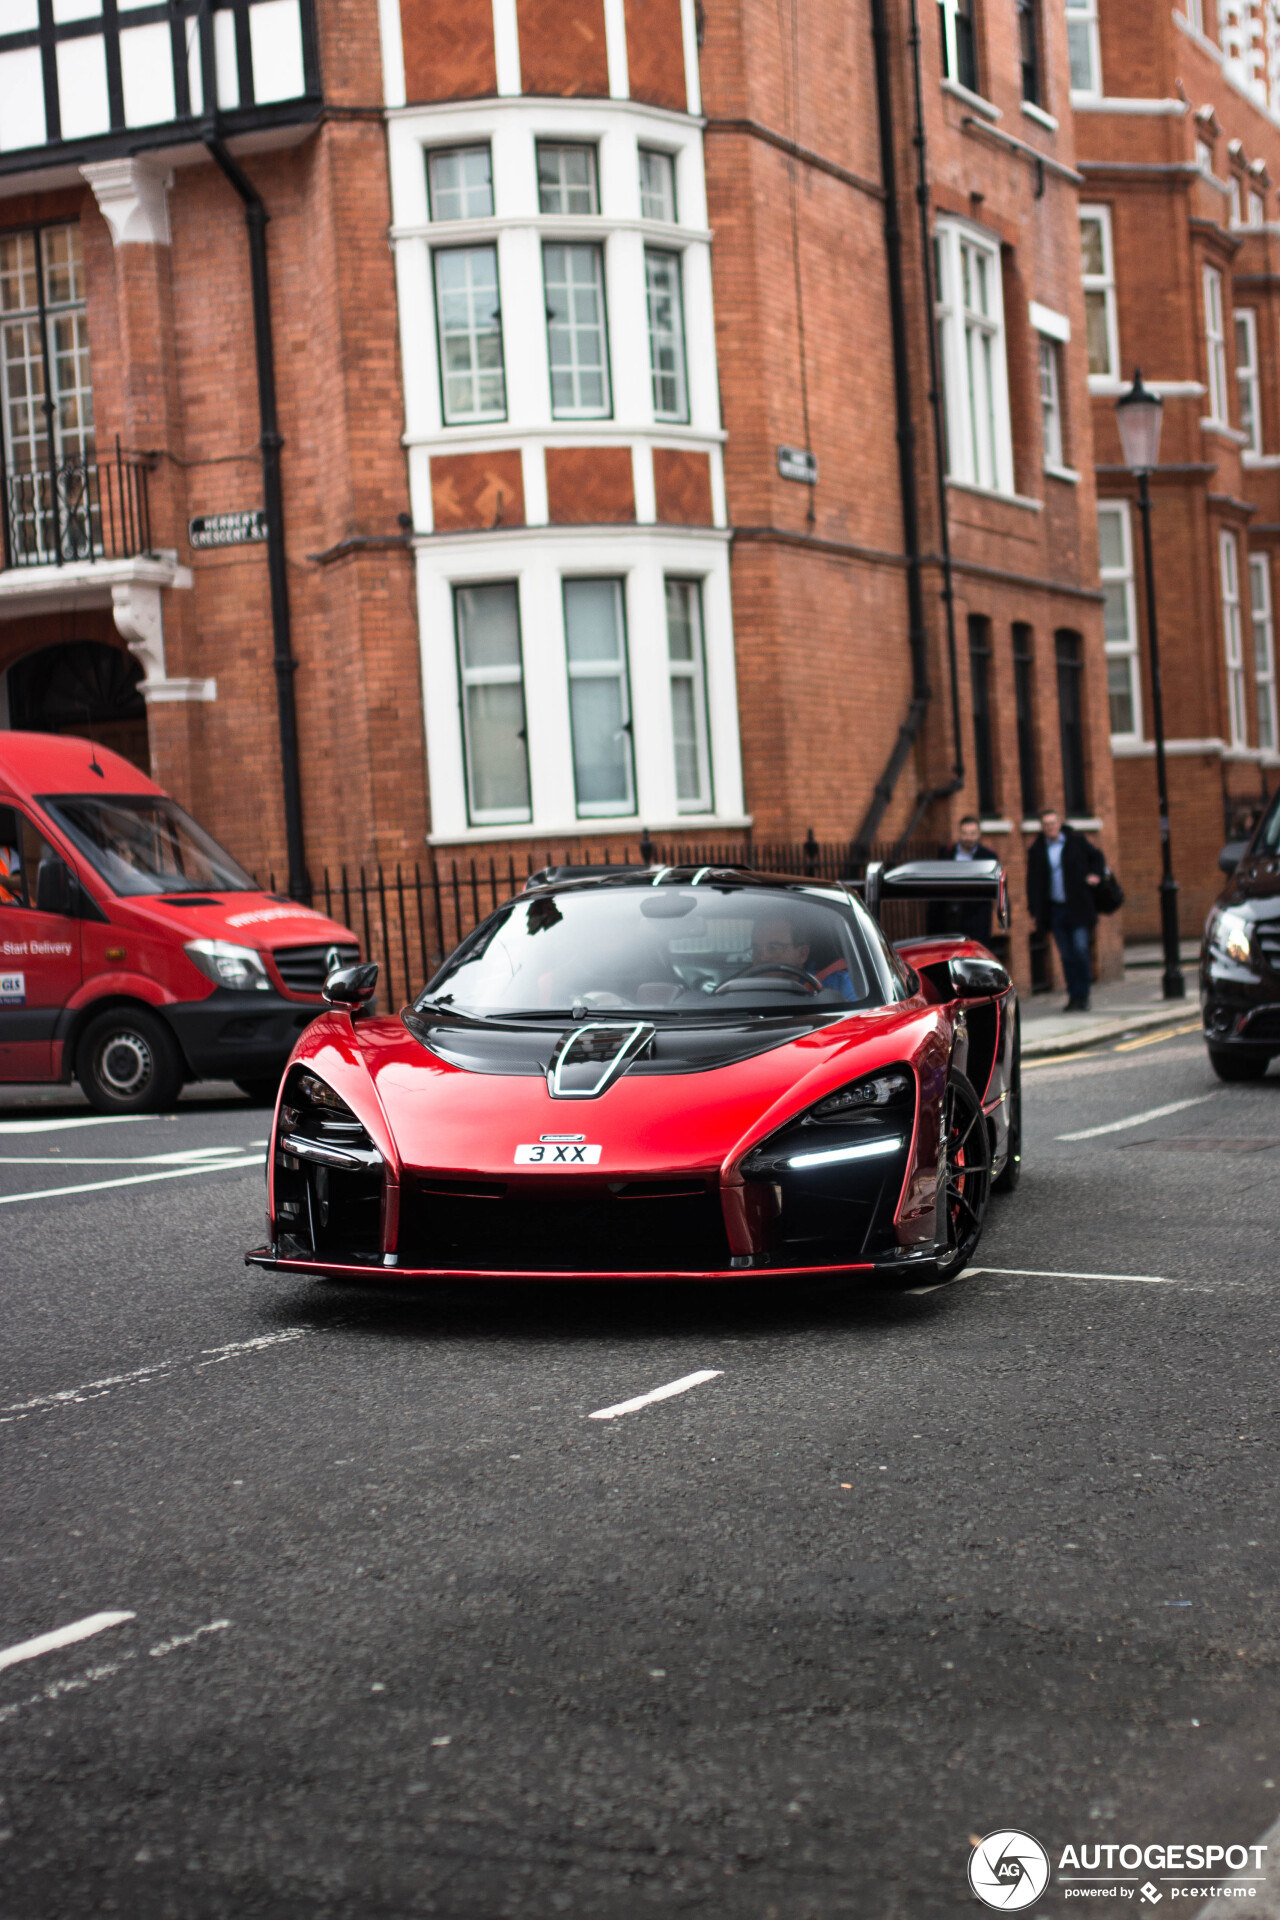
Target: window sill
1081,822
1259,461
1221,431
1100,103
1068,474
994,493
574,831
995,826
974,100
1041,118
1108,386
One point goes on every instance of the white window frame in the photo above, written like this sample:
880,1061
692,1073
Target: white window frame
473,335
1233,644
667,339
564,187
975,371
1257,210
1204,157
948,10
463,150
1215,347
469,677
693,673
1124,649
1248,378
1105,284
668,213
1264,651
576,410
1082,33
1237,205
617,669
1050,381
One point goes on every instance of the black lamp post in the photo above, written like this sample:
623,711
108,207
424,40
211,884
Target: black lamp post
1138,418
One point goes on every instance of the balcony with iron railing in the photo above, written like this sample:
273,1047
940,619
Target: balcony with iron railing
78,510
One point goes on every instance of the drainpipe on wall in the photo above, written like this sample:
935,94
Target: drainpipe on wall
283,661
917,636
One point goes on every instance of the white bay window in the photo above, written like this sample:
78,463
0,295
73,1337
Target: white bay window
1215,346
970,311
469,323
491,671
1264,650
595,644
1120,618
1229,568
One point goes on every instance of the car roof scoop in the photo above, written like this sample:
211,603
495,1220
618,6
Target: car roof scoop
589,1058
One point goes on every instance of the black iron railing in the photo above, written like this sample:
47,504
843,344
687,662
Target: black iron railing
78,509
409,919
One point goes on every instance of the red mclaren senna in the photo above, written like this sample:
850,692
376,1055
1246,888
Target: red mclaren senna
668,1073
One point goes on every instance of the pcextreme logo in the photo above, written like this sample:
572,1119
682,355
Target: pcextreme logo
1008,1870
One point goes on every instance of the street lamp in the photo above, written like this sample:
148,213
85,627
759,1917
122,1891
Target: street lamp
1138,418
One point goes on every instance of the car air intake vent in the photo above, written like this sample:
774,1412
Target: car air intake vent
305,969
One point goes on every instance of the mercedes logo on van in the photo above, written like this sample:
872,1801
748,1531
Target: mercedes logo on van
332,960
1008,1870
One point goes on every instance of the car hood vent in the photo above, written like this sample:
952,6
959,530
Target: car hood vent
526,1051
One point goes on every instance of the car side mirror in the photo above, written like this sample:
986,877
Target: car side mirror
352,986
1232,854
57,889
971,978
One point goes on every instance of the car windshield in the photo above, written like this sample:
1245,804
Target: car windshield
718,949
1269,838
139,843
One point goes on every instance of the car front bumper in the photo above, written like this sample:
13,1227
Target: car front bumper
239,1036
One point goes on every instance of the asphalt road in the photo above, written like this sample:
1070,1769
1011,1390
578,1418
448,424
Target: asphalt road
412,1635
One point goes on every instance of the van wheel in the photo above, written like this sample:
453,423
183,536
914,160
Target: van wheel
128,1062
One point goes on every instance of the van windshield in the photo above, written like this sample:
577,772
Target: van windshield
139,843
676,950
1269,838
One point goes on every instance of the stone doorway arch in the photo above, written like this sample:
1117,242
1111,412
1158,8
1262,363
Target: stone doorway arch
84,687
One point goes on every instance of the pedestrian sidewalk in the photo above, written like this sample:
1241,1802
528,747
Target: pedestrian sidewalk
1132,1005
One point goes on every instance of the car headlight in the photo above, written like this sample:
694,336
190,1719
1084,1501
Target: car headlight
1231,937
317,1094
228,965
888,1089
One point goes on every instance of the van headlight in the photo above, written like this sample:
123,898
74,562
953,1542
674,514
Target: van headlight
228,965
1231,937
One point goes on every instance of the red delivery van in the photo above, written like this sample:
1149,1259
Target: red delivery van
134,953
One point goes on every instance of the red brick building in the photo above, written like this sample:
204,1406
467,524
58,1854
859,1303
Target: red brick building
594,514
1178,132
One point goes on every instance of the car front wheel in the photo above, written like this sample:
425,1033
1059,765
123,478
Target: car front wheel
964,1177
128,1062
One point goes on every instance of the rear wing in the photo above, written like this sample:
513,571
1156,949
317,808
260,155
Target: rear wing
965,881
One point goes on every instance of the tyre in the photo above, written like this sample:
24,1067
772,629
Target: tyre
261,1092
1238,1066
127,1061
1011,1172
964,1177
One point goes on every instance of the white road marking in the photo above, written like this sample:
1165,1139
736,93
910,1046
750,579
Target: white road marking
57,1688
1042,1273
200,1156
1138,1119
60,1126
136,1180
95,1389
659,1393
61,1637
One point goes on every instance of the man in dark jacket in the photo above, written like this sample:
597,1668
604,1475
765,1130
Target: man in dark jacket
1063,870
971,920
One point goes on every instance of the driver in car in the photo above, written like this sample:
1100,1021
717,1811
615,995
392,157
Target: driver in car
774,943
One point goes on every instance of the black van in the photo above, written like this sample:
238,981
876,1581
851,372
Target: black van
1240,958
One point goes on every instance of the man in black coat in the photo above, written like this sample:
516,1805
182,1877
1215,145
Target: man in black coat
970,919
1063,871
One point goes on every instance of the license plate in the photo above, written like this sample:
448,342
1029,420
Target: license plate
546,1153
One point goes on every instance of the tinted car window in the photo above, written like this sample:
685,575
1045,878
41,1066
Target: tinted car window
1269,838
671,949
138,844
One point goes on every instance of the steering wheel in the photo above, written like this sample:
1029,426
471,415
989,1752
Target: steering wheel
809,981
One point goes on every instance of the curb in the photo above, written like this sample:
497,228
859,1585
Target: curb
1107,1028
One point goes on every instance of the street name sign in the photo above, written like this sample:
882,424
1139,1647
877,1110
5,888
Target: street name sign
228,529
